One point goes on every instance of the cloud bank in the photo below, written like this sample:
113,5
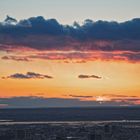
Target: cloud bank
49,34
103,30
47,39
74,101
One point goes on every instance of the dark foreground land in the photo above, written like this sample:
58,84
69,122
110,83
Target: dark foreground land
125,130
106,123
71,114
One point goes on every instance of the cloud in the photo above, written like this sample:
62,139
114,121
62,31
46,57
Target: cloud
75,56
79,96
128,100
9,21
121,98
118,96
89,76
48,34
28,75
109,98
47,39
89,30
15,58
33,102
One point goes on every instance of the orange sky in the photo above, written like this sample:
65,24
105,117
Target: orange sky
118,78
70,54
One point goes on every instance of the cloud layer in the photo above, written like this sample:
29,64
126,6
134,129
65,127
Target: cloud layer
70,100
103,30
92,40
47,34
74,101
74,56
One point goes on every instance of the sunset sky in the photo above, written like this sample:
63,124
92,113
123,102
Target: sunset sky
69,53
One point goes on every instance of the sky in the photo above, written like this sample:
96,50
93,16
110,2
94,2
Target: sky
69,53
68,11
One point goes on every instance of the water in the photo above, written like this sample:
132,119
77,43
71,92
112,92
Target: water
70,114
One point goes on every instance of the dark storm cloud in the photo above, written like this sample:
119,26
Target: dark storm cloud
40,33
28,75
32,101
89,76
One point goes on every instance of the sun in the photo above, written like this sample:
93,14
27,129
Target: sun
99,99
